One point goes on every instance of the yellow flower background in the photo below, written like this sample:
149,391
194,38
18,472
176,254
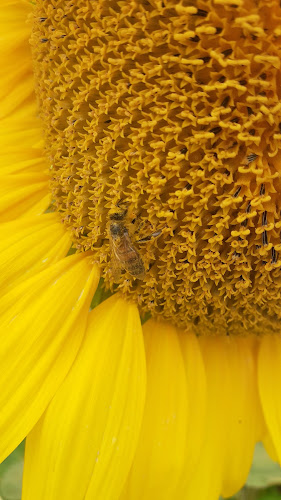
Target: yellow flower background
111,408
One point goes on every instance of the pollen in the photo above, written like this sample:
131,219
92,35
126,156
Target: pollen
165,116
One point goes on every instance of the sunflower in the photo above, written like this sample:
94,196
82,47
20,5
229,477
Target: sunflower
140,239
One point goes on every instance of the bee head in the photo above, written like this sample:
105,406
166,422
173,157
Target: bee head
119,215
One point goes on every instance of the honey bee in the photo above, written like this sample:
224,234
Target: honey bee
126,256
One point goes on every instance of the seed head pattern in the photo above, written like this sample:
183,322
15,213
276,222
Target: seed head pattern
171,109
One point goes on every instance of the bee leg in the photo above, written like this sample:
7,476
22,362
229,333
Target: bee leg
137,220
120,202
139,224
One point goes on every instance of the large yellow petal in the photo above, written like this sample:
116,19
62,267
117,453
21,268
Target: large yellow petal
205,484
16,80
42,323
13,28
83,445
23,171
269,446
242,412
160,456
18,93
23,194
206,480
269,373
233,423
29,245
21,142
196,384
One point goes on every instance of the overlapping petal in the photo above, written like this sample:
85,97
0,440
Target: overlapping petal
21,142
29,245
83,446
233,423
16,80
269,447
13,27
269,375
23,194
160,456
23,173
42,321
202,417
243,418
196,386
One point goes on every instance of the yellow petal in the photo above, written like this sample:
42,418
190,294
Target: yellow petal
24,129
269,373
32,164
265,437
23,181
206,481
42,321
196,384
269,446
13,27
21,194
82,447
160,455
242,411
205,484
29,245
16,81
17,95
233,424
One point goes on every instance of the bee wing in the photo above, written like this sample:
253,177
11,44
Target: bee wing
115,263
125,256
115,268
134,265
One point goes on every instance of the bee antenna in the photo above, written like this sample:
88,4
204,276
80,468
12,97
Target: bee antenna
121,202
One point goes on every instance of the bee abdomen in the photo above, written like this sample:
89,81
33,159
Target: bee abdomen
135,267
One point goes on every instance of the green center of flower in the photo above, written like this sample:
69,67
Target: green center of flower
162,127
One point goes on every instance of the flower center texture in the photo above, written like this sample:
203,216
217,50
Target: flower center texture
162,124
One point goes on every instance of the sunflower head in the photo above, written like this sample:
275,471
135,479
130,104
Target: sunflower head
162,131
162,128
